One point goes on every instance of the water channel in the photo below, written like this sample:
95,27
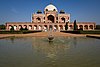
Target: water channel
38,52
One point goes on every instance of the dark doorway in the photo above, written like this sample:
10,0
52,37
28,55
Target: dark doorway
63,19
51,18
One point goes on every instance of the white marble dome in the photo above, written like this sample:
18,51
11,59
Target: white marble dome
50,7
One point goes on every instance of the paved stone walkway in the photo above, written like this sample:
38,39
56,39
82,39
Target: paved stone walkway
45,34
40,34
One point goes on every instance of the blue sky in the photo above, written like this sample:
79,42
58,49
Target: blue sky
21,10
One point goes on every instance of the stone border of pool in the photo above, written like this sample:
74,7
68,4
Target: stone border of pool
93,36
45,34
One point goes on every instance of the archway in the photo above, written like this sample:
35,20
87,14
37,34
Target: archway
10,26
86,27
38,19
30,27
20,26
55,27
35,27
60,27
81,27
70,27
91,27
51,18
63,19
40,27
25,27
15,27
45,28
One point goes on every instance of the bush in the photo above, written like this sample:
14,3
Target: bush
21,29
18,32
10,32
82,32
90,32
2,27
25,28
97,27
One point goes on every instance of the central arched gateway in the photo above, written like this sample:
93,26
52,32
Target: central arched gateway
51,18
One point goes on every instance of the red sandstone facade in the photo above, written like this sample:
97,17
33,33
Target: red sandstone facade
50,20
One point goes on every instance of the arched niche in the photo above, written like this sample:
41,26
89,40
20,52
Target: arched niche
51,18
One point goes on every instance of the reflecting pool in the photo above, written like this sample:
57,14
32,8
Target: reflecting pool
39,52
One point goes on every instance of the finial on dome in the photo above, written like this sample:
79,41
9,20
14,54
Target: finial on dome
50,3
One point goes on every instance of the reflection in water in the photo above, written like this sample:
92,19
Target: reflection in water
12,39
50,49
39,52
75,42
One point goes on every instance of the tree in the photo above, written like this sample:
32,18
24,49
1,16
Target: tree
25,28
97,27
21,29
66,26
2,27
12,28
75,25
